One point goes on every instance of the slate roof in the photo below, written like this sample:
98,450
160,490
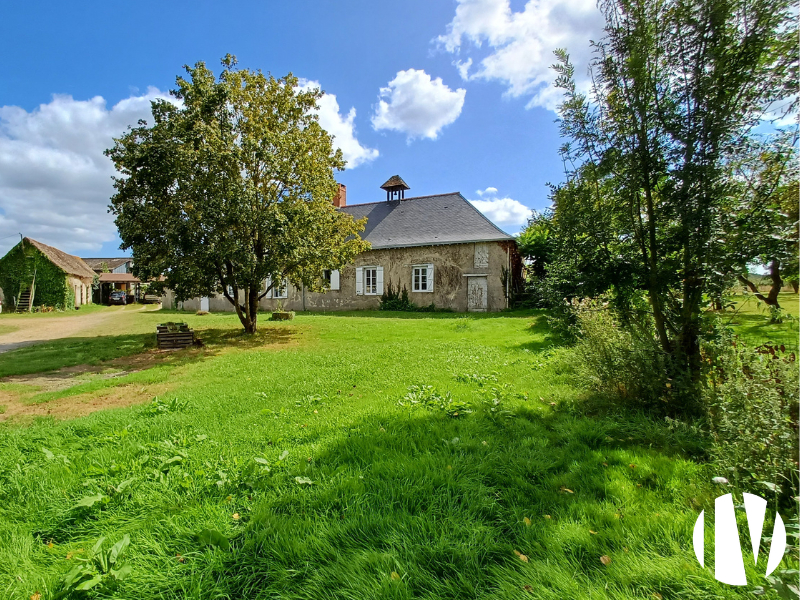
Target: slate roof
111,263
72,265
425,221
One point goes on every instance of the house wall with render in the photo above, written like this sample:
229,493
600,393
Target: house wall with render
453,266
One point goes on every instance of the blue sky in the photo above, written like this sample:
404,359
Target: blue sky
452,95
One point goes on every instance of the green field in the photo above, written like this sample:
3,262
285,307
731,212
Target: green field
750,319
303,463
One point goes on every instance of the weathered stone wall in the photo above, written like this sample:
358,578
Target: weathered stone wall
81,288
451,262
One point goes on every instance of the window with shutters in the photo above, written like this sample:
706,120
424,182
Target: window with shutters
370,281
422,278
280,289
331,278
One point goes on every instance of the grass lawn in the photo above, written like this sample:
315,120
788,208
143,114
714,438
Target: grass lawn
750,319
302,463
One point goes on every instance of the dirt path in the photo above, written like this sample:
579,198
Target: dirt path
42,329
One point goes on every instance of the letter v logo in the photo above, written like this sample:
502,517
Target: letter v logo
728,560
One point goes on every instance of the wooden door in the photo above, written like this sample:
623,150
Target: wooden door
477,294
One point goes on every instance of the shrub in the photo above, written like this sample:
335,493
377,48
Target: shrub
623,363
751,401
394,299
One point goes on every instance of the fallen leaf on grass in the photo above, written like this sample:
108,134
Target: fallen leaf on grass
605,464
528,588
180,558
566,489
527,521
592,532
521,556
235,516
658,596
303,480
36,596
395,575
632,466
606,560
548,517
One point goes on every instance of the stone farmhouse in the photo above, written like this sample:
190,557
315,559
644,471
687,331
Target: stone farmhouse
440,248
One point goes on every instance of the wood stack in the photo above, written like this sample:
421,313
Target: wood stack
174,336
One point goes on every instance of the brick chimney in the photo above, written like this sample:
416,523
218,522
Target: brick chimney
341,197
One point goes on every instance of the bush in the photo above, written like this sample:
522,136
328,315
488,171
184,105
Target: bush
394,299
623,363
752,411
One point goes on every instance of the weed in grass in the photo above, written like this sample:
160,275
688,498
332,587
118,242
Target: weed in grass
427,396
160,407
476,378
100,572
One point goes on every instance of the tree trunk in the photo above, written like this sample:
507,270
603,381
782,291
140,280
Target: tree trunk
794,284
771,299
777,283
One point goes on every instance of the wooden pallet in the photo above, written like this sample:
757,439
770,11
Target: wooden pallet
171,336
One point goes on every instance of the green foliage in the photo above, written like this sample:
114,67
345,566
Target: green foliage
676,84
17,270
99,573
429,397
160,407
394,299
232,188
752,413
624,363
397,300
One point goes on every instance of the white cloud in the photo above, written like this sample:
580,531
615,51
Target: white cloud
521,44
55,182
417,105
342,128
504,212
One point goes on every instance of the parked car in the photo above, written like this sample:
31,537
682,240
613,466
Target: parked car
118,297
151,299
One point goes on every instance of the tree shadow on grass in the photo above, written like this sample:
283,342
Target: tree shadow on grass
99,350
546,337
429,506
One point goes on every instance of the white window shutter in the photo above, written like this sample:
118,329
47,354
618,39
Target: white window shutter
379,278
335,279
266,285
359,281
430,277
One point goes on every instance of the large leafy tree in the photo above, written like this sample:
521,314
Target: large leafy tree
761,220
676,85
231,187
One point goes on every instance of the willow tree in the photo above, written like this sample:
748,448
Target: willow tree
677,84
231,187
